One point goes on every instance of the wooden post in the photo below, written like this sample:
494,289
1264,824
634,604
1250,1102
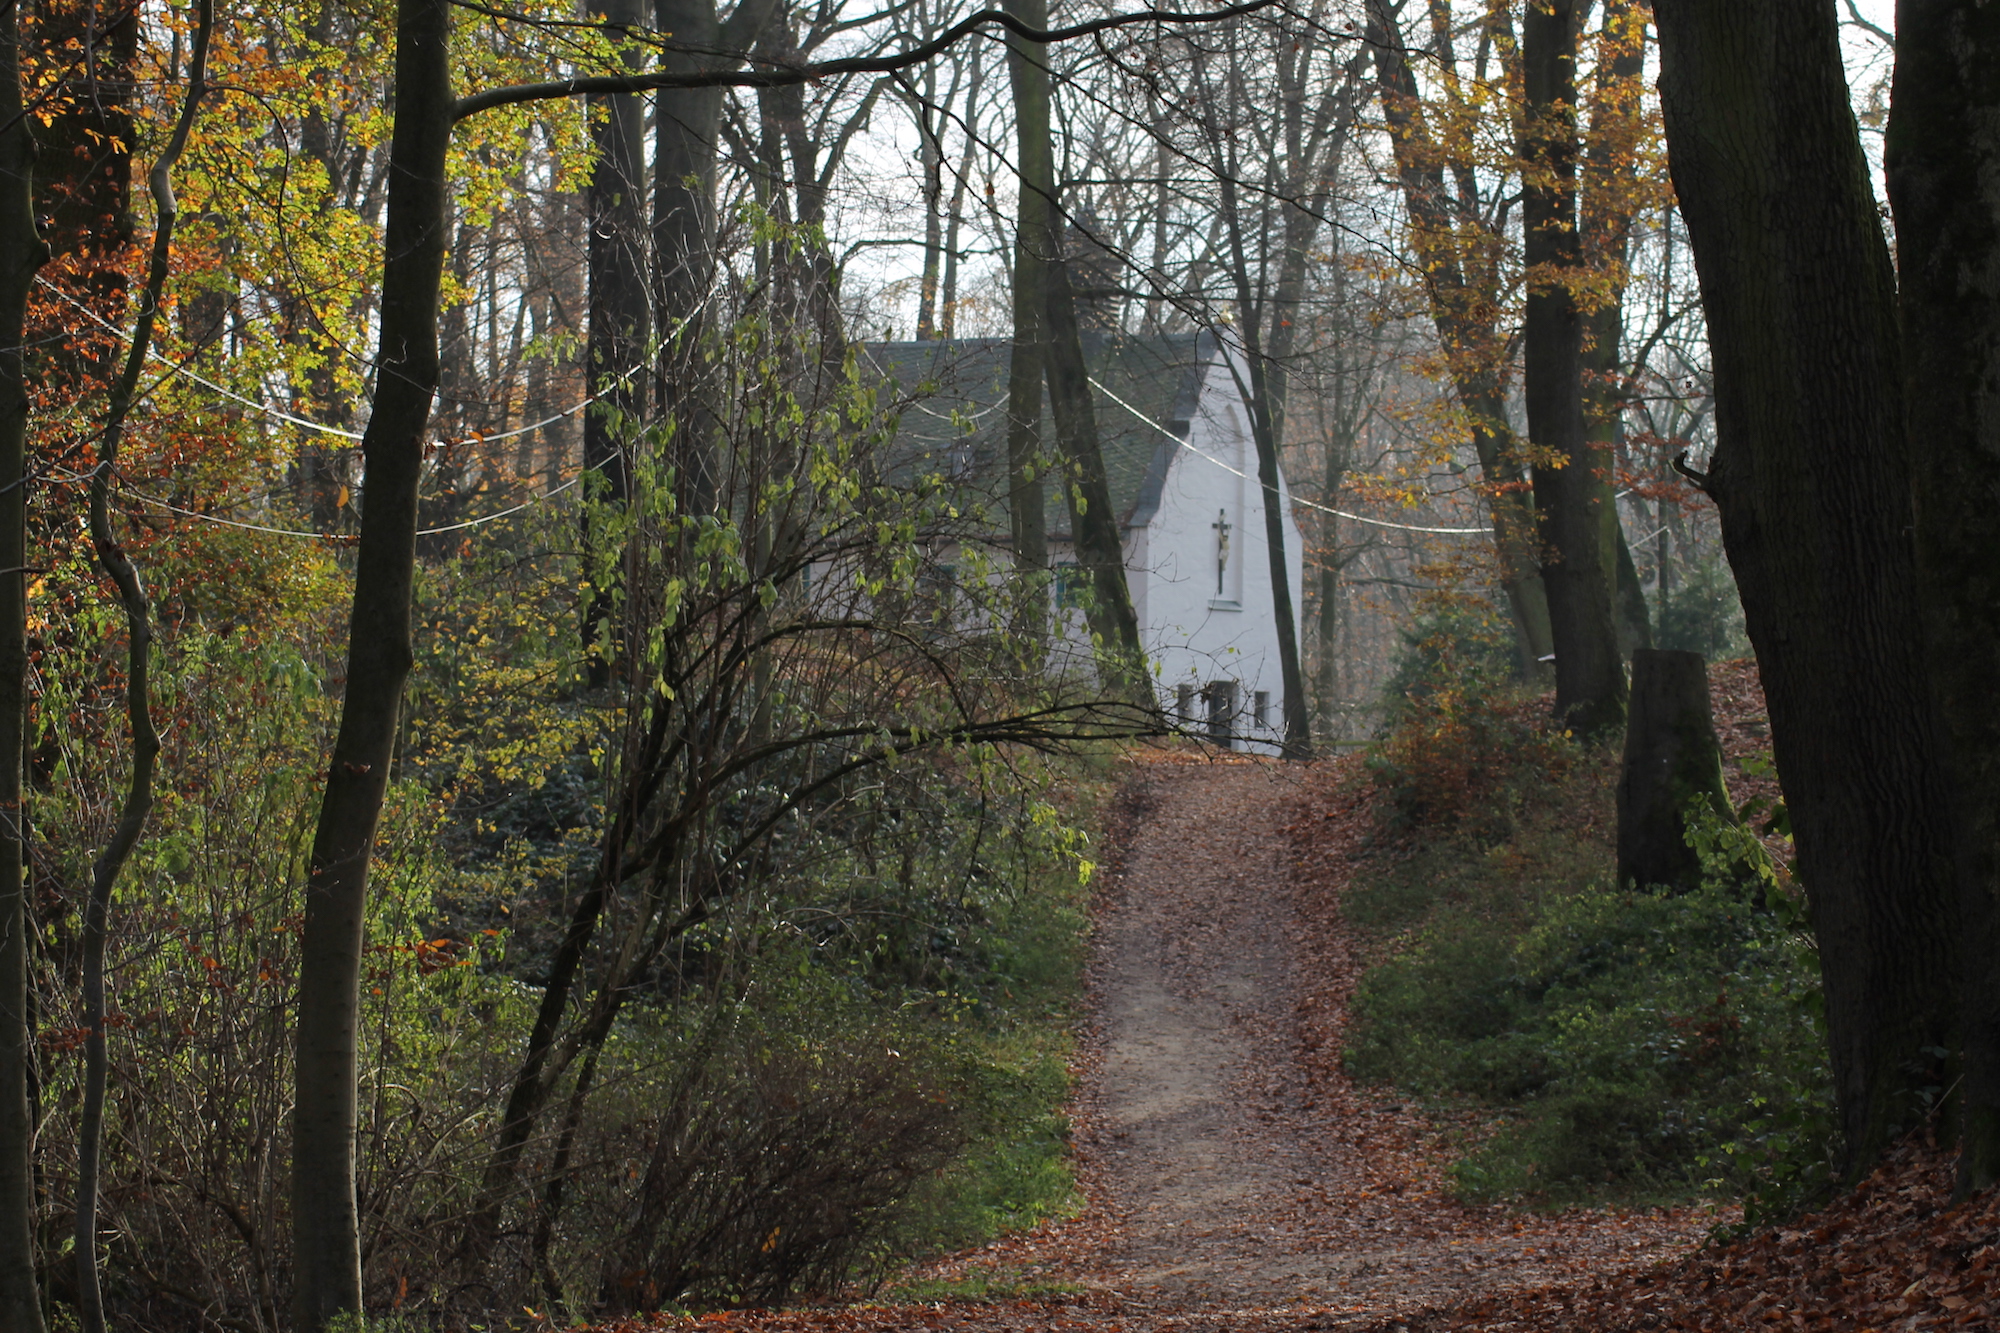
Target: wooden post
1671,757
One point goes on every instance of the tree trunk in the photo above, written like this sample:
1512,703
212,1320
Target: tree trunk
1943,152
138,803
1635,619
931,121
1512,506
21,253
326,1276
1268,355
619,328
1100,545
1568,472
948,314
1298,721
1464,322
1612,191
1810,477
687,124
1034,248
83,180
1671,758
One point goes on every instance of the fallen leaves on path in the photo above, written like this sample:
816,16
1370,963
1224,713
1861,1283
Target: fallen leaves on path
1412,1259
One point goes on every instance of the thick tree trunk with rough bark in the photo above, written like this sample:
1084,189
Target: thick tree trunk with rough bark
326,1279
1943,157
1569,489
21,253
1810,475
1671,758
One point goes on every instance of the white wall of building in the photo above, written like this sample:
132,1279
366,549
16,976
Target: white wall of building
1196,632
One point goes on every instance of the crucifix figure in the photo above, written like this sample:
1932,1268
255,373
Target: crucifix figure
1221,526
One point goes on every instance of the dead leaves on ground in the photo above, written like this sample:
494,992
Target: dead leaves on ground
1894,1254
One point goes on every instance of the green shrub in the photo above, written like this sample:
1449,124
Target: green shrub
1631,1046
1640,1045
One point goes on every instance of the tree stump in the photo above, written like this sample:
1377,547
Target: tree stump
1671,758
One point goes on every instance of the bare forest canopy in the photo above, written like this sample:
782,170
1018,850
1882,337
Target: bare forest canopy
506,742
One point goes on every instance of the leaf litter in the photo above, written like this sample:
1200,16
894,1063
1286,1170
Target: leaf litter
1234,1178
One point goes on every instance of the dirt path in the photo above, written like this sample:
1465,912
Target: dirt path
1199,1076
1243,1170
1236,1179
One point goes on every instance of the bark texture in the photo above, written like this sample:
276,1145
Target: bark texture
22,252
1671,758
326,1279
1810,478
1943,157
1570,494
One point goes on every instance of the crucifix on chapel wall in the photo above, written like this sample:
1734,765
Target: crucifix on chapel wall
1221,526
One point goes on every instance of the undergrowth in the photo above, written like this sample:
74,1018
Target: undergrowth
1627,1045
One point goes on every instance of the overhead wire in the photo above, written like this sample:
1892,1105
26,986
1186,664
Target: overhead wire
177,368
1337,513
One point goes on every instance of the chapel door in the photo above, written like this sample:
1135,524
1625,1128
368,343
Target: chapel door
1221,699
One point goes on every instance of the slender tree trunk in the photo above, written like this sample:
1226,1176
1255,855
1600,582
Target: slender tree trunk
138,803
1034,247
1277,509
948,301
1268,323
1461,315
1568,474
321,465
1943,154
1611,187
687,122
1266,403
931,121
21,253
1100,543
326,1279
1811,479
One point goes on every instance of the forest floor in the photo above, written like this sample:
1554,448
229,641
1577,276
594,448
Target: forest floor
1235,1178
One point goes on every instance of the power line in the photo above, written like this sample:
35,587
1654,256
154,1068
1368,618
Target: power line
176,368
341,536
1337,513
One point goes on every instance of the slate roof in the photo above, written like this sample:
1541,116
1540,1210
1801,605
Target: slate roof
963,383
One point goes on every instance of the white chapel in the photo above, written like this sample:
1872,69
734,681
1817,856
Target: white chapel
1182,467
